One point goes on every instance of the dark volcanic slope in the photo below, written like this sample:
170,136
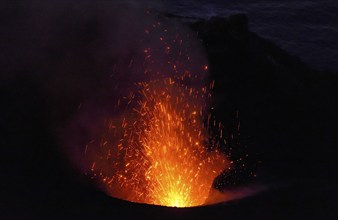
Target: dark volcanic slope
288,111
288,117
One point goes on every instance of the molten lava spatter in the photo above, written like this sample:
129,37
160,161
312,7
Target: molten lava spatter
159,150
164,155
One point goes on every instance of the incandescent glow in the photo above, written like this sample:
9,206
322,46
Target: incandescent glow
160,149
164,155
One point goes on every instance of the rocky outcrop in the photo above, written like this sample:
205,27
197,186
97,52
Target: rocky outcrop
288,111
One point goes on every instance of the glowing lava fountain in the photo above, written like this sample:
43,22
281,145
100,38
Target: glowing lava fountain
164,155
160,149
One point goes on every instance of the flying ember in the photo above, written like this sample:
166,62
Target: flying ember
160,149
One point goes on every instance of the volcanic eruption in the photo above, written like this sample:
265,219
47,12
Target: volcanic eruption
160,145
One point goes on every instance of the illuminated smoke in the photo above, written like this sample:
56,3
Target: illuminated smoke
156,148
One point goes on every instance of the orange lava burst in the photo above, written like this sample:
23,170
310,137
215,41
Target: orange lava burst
159,149
163,155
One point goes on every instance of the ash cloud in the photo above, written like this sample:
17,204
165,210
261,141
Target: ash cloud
83,56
